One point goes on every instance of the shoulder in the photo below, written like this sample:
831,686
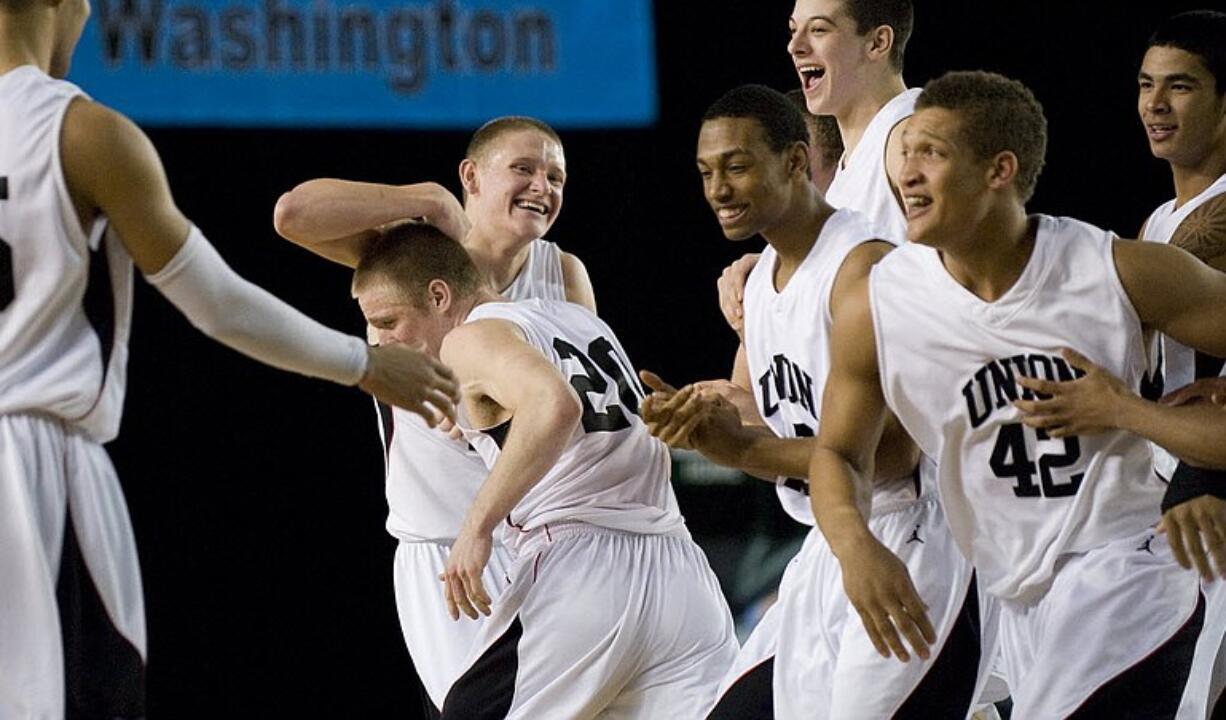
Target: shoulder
578,284
1203,232
473,341
99,142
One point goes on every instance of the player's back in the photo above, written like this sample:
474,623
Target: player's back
64,294
612,472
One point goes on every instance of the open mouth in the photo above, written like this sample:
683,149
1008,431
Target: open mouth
729,214
1158,132
810,76
532,206
916,205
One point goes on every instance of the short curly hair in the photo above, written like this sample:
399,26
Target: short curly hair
824,135
998,114
780,120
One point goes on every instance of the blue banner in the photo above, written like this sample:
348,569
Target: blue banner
371,63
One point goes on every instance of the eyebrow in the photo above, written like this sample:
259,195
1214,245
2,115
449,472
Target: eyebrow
727,154
1173,77
811,18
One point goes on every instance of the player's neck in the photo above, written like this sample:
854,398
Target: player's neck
855,118
465,306
23,41
794,236
1191,180
989,262
499,257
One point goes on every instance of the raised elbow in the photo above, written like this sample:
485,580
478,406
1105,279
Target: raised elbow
288,213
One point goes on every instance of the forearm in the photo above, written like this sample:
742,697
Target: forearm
233,311
840,494
322,211
758,451
539,433
1194,433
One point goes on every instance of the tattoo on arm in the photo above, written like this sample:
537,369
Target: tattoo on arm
1203,233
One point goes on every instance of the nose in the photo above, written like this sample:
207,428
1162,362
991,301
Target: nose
798,44
1158,100
718,189
909,174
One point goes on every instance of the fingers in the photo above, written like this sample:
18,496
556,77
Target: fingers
874,635
1174,535
443,408
474,590
1077,360
1042,387
1196,551
449,595
655,382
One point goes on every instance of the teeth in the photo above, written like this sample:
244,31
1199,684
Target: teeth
917,201
727,212
529,205
811,71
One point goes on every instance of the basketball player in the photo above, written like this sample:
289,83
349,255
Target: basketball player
611,607
83,196
806,657
1096,617
513,174
849,56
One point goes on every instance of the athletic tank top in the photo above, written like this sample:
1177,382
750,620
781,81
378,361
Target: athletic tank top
1172,362
65,294
861,181
1016,500
787,340
432,479
613,473
541,275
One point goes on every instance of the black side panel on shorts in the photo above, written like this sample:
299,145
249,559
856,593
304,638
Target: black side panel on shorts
948,689
751,697
104,675
1153,687
485,690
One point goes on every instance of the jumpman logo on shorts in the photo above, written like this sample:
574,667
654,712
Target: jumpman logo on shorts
1145,545
915,536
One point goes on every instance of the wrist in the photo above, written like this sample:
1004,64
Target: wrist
845,531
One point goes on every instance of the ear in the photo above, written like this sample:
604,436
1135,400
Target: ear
798,160
468,176
438,294
880,42
1002,170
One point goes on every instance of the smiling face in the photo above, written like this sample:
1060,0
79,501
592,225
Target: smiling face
944,183
1183,114
747,184
514,186
829,55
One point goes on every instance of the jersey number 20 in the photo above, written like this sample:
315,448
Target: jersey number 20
601,357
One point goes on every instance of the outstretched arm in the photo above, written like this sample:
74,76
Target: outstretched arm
112,168
495,364
336,218
840,484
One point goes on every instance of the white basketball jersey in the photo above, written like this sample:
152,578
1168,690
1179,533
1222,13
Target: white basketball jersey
65,295
432,480
541,275
1016,500
787,340
613,473
1175,362
861,181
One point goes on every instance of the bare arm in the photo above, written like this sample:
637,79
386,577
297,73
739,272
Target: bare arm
335,218
1175,293
493,361
112,168
840,482
578,284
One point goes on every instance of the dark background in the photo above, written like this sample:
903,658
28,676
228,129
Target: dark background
257,496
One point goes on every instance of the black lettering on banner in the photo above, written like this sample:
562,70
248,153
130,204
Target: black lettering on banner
8,284
1011,459
592,381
